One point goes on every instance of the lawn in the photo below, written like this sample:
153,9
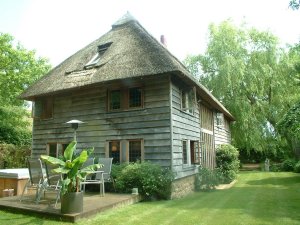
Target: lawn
257,198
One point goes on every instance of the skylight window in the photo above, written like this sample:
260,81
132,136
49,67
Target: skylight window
96,59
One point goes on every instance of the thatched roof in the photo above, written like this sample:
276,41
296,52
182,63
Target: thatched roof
132,52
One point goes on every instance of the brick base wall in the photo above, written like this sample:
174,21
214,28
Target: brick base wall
183,186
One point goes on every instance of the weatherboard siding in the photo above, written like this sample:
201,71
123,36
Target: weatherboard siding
185,126
222,133
151,123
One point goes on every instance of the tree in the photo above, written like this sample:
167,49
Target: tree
247,71
294,4
18,69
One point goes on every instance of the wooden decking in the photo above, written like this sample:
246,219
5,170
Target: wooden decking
92,204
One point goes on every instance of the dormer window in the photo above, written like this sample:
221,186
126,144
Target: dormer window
96,59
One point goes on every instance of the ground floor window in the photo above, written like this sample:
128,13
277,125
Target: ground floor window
56,149
114,151
125,150
191,152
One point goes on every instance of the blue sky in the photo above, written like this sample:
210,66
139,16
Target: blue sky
58,28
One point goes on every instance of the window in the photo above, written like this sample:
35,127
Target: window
125,99
114,151
43,108
100,52
195,152
115,100
135,150
188,100
184,152
135,97
56,149
220,119
125,150
190,152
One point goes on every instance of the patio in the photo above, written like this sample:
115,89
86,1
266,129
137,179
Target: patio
93,204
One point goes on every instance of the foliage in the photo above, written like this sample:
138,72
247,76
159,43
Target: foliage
71,169
289,125
152,181
14,125
207,179
253,77
227,162
288,165
18,69
297,167
294,4
13,156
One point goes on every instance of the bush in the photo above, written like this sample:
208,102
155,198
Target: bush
207,179
227,162
12,156
152,181
288,165
297,167
276,167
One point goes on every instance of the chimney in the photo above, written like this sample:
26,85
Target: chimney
163,40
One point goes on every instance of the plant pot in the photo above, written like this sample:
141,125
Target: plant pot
72,203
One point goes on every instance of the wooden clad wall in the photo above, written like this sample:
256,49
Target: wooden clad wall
207,137
152,123
222,132
185,126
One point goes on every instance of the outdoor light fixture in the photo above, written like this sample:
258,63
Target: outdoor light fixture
74,125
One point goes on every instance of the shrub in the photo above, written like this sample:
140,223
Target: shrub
288,165
276,167
12,156
297,167
207,179
227,162
152,181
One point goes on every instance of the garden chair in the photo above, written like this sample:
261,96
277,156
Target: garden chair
101,175
107,163
36,178
88,162
51,183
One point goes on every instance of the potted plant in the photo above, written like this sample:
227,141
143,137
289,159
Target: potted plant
70,167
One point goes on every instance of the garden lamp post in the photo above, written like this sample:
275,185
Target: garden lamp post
74,125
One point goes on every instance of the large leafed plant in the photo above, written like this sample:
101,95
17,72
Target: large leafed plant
70,167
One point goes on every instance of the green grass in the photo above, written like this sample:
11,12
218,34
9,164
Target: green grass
257,198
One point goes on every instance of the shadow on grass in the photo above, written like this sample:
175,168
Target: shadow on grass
292,180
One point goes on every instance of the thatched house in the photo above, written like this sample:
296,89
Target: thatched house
137,100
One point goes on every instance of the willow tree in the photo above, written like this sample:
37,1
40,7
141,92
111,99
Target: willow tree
248,72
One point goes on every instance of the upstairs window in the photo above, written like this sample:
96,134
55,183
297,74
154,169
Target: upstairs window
115,100
188,100
220,119
96,59
135,97
125,99
43,108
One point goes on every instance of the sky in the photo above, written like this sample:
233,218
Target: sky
56,29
